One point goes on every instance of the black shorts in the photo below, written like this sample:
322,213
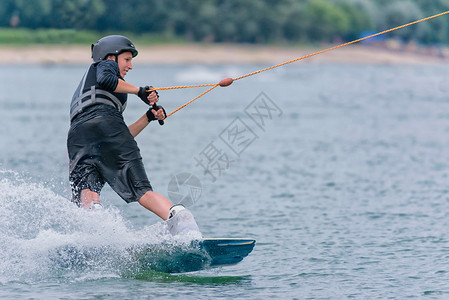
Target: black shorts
101,150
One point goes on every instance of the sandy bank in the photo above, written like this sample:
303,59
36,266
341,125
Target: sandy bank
237,54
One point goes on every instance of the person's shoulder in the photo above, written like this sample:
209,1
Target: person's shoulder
107,63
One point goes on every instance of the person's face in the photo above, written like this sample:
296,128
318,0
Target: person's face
124,63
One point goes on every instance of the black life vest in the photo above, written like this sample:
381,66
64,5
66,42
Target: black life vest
89,93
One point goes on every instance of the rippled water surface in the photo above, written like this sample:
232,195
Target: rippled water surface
342,178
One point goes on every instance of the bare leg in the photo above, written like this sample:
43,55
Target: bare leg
87,196
182,220
156,203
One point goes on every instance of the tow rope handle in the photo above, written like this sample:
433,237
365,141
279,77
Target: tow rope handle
156,108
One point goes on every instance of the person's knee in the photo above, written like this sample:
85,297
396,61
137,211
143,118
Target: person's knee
88,196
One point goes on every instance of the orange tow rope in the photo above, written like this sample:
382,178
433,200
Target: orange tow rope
227,81
184,105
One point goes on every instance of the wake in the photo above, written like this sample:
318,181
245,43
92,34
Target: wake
36,223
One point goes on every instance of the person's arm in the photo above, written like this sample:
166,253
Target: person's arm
108,77
126,87
136,127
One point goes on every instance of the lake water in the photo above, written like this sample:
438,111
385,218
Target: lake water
340,172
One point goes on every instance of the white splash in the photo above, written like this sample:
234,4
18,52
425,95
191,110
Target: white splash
35,222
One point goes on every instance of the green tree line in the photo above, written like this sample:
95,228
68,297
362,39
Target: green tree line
238,21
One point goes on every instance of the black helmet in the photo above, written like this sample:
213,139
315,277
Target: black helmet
111,45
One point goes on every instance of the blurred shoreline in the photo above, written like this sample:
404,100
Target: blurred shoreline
232,54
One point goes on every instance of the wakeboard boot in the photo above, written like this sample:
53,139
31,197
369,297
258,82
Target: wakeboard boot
181,221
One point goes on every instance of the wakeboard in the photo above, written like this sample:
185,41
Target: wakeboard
166,257
199,255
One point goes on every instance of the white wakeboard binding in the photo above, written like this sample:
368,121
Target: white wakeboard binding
181,221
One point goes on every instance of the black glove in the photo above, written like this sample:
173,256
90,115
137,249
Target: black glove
151,116
144,92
